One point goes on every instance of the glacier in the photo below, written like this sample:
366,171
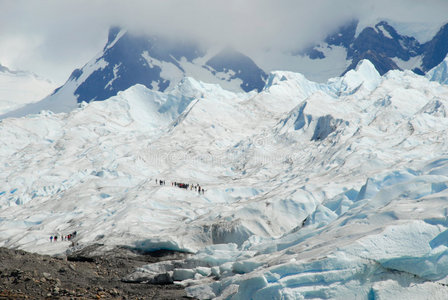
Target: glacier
329,190
19,88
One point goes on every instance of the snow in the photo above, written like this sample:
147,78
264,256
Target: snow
422,31
312,190
20,88
318,70
194,69
115,71
119,35
439,73
385,32
63,99
413,62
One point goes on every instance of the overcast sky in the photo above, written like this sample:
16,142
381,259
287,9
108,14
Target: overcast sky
53,37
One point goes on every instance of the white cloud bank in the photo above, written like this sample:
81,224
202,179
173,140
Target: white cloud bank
52,37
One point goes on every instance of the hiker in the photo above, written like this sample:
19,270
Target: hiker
51,239
55,238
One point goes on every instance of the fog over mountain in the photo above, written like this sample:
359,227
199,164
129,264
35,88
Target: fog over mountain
59,36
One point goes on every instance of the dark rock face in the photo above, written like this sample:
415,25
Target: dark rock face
344,36
127,60
381,43
389,44
436,49
311,52
126,66
381,62
242,66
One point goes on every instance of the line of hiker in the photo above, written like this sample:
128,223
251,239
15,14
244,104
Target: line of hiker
186,186
161,182
67,237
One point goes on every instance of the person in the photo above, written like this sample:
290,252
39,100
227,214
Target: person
51,239
55,238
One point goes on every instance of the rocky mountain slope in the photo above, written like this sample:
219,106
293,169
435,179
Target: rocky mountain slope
386,48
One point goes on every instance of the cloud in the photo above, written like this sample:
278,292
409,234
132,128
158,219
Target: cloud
52,37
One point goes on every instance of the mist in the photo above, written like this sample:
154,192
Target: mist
51,38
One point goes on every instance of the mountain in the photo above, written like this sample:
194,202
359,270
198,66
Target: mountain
436,49
312,190
18,88
159,63
384,46
155,62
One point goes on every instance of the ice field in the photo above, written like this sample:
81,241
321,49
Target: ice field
333,191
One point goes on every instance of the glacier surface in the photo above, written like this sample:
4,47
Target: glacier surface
312,190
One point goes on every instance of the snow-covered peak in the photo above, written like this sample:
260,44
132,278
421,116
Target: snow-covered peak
159,63
190,87
293,84
277,77
18,88
365,73
363,76
440,72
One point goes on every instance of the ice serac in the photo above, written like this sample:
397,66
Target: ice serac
332,190
440,72
365,75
